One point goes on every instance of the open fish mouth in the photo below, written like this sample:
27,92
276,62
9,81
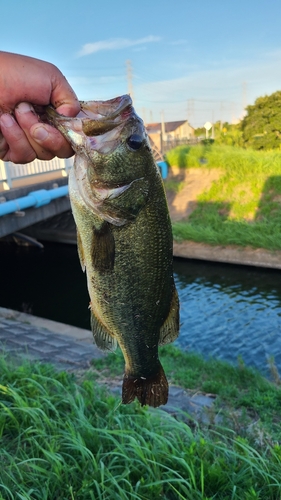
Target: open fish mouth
103,110
99,125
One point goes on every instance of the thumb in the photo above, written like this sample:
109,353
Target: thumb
64,99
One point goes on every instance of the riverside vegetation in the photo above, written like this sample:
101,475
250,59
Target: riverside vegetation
241,208
64,437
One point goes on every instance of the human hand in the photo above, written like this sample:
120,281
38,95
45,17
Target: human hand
26,82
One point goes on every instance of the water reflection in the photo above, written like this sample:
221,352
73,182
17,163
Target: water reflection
230,311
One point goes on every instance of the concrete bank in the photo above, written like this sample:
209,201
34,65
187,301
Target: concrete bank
27,337
246,256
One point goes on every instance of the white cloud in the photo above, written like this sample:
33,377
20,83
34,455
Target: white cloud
115,44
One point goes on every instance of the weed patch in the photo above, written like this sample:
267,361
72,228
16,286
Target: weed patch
64,439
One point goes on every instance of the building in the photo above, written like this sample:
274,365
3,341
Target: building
170,132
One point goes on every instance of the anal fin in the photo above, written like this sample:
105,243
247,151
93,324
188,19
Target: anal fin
102,337
169,331
152,391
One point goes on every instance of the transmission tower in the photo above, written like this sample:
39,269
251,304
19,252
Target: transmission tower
130,79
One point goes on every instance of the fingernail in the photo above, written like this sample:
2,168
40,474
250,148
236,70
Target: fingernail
24,107
7,120
39,133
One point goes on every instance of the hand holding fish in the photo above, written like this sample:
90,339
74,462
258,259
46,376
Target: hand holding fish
26,82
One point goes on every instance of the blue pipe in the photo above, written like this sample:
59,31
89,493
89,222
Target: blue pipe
164,168
34,199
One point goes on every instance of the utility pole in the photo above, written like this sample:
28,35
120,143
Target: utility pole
213,125
222,113
130,79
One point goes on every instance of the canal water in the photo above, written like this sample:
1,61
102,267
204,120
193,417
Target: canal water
227,311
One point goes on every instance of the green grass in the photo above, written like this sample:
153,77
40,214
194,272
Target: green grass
241,208
63,439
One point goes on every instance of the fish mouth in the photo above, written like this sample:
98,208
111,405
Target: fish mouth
103,110
100,126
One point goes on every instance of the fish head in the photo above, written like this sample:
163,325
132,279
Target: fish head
110,135
111,145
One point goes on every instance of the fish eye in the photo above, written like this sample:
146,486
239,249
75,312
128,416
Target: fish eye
134,142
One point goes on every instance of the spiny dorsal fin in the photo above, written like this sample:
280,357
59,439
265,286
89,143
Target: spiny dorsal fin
169,331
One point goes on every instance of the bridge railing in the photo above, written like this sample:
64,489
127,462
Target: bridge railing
10,172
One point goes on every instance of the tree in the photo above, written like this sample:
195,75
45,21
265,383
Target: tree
261,127
228,134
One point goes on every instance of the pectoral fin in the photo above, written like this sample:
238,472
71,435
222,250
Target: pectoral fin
102,338
103,248
80,251
169,331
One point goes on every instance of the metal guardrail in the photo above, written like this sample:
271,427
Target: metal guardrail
10,172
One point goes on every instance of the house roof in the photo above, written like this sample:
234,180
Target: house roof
169,126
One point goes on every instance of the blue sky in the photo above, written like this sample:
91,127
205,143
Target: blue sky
200,60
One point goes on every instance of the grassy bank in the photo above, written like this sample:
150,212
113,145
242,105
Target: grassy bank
241,208
63,438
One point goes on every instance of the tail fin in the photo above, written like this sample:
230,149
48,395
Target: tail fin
152,391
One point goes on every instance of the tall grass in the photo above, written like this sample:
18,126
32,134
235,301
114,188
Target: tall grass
243,207
63,440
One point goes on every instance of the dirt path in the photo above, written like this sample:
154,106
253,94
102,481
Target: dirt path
196,181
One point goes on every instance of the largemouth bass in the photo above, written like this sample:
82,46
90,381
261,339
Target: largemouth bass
124,240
